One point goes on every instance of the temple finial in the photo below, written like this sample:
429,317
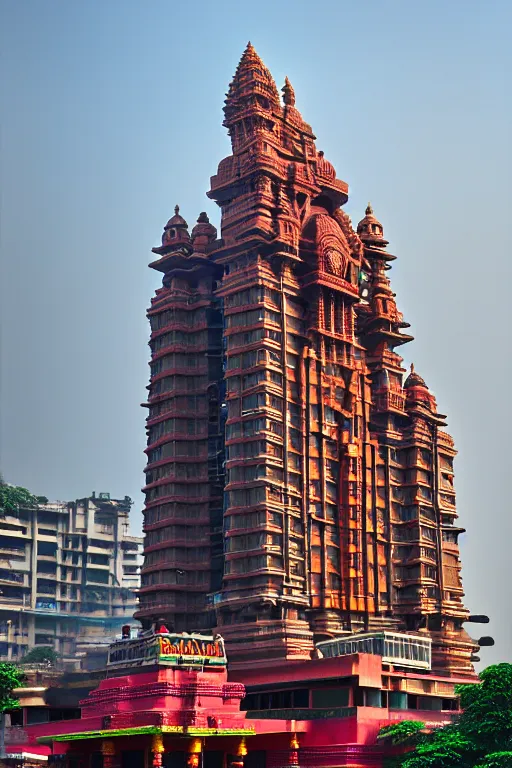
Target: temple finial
288,93
412,367
250,53
369,209
176,210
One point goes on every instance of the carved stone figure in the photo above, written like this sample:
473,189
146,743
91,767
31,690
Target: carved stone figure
334,262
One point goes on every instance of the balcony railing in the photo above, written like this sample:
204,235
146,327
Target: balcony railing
12,550
222,597
14,578
302,714
47,591
386,401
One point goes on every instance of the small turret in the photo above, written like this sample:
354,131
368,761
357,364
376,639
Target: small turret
203,233
175,234
418,393
370,230
414,380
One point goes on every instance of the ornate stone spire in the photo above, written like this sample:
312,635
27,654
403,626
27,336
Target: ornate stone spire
291,113
288,93
252,85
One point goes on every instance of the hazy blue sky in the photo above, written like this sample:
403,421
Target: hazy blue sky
111,114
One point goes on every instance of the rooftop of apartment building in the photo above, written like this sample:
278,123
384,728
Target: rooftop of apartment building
69,574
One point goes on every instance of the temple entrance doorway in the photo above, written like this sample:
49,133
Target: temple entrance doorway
174,760
213,760
132,759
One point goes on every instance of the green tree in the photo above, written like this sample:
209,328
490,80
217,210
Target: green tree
11,677
497,760
12,497
443,748
42,655
406,732
487,709
480,738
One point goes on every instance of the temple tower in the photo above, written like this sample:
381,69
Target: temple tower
297,489
415,481
184,473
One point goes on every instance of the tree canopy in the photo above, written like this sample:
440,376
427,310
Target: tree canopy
11,677
12,497
41,655
480,738
405,732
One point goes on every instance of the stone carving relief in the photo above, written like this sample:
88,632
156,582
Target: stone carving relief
334,262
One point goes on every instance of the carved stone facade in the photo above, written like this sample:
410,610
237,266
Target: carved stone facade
297,489
184,488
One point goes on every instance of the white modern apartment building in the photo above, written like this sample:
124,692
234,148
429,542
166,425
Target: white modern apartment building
69,572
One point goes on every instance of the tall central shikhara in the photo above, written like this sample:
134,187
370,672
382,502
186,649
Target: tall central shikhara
296,489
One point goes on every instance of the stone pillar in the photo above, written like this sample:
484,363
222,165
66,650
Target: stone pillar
237,760
157,748
108,750
194,749
293,757
31,629
10,629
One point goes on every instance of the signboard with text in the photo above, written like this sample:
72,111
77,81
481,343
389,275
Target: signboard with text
178,649
191,649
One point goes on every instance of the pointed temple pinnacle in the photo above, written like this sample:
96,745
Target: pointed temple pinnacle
288,93
176,210
251,77
249,61
369,209
250,54
412,367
